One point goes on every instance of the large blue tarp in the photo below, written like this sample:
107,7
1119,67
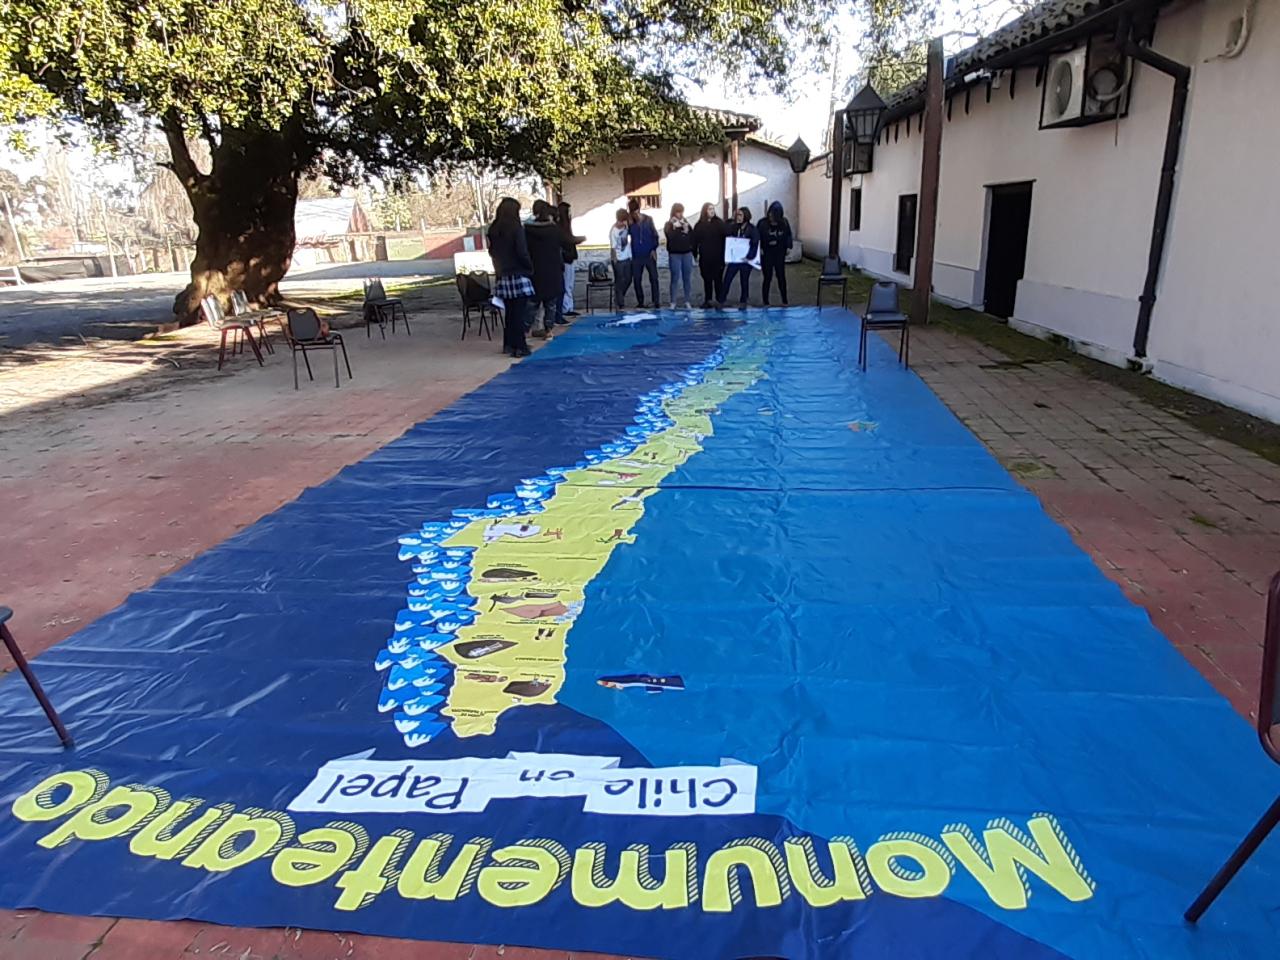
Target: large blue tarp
697,560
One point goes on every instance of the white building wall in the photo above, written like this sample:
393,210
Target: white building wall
691,177
1215,328
812,223
763,177
1093,201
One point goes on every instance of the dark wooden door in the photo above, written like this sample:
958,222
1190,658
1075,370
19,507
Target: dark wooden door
1007,231
906,246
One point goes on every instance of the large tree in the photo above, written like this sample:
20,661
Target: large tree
280,88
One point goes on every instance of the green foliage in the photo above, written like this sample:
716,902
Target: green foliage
373,86
894,46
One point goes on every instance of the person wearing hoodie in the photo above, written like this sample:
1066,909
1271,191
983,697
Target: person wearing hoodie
564,217
745,230
547,246
680,254
644,252
775,243
708,250
511,263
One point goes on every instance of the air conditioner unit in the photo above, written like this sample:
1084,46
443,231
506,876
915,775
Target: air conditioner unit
1086,85
1063,101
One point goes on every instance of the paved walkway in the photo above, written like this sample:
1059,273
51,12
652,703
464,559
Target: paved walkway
1187,524
106,497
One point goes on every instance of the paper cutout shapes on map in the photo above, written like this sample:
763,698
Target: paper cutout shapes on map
643,681
507,580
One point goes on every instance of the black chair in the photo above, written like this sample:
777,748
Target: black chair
379,308
305,334
476,298
12,646
1269,734
882,313
599,278
832,275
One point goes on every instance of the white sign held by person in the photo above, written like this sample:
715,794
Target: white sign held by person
736,250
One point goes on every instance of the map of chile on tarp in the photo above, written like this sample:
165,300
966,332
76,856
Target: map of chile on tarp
682,638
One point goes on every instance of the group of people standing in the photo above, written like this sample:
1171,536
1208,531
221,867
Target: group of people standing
535,261
633,250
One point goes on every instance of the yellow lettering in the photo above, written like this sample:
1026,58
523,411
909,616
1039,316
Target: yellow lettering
81,786
375,873
421,878
523,873
849,880
929,878
119,812
319,854
634,886
241,839
1009,855
156,839
721,888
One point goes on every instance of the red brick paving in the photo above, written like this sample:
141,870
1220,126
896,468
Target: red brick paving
1188,525
110,498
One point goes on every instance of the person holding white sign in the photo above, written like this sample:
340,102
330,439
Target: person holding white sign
741,253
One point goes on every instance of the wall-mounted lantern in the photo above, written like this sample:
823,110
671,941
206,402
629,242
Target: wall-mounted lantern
862,126
798,155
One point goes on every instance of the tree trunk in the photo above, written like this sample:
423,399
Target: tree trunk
243,210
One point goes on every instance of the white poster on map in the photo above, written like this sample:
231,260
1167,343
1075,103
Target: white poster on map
467,784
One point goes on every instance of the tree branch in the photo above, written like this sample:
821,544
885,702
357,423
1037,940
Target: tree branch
206,131
182,164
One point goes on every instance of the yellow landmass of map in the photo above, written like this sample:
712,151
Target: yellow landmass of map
530,573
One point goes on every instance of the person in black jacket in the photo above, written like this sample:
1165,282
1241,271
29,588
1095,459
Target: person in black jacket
743,228
514,269
547,246
564,217
679,234
708,250
775,243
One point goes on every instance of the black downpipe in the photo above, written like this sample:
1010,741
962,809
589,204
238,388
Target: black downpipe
1181,75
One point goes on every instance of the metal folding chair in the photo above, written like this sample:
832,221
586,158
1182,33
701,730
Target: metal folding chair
882,313
378,308
12,646
1269,734
476,298
599,278
832,275
241,310
239,327
305,334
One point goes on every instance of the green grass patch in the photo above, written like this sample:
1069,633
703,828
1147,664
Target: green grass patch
1216,419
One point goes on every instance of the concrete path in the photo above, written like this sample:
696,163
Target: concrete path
126,308
108,489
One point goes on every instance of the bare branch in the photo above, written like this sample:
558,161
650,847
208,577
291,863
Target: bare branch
207,132
182,164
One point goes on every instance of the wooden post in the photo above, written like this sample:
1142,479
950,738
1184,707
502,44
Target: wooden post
106,230
733,171
724,193
930,167
13,225
837,182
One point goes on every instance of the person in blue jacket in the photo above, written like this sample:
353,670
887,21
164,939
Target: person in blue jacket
644,252
742,227
775,242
